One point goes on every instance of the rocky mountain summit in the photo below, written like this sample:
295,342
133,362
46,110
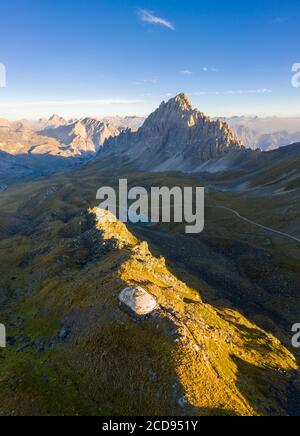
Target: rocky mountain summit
55,121
82,136
175,136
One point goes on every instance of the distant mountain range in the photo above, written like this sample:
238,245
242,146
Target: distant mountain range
30,149
265,124
174,137
81,137
265,133
265,141
84,137
74,137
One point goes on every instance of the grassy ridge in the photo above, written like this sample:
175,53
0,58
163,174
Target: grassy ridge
73,351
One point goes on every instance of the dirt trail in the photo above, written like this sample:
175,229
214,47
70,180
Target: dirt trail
269,229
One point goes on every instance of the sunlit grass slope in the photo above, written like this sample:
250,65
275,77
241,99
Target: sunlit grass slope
72,350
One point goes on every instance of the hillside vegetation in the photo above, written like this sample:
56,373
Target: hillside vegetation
73,350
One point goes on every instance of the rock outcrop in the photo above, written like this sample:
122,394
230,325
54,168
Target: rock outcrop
175,136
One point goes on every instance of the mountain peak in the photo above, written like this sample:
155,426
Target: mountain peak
175,136
55,117
181,102
56,120
183,98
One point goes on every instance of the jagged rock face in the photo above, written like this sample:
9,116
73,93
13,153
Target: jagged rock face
175,136
137,300
83,136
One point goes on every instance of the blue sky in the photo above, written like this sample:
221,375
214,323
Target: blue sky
103,57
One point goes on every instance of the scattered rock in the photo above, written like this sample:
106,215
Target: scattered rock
152,374
64,333
182,402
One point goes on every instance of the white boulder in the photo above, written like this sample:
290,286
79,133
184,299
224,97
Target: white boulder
138,300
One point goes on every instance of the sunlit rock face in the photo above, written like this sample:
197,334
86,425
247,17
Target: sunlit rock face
137,300
175,137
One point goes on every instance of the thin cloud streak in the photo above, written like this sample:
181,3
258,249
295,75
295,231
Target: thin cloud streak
105,102
150,18
186,72
234,92
145,81
208,69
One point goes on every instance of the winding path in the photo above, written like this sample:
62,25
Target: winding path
269,229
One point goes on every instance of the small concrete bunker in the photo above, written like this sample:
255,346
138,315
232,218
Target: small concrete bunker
137,300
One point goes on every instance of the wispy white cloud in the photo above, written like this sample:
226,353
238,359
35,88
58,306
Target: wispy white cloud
203,69
149,17
234,92
105,102
186,72
209,69
144,81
